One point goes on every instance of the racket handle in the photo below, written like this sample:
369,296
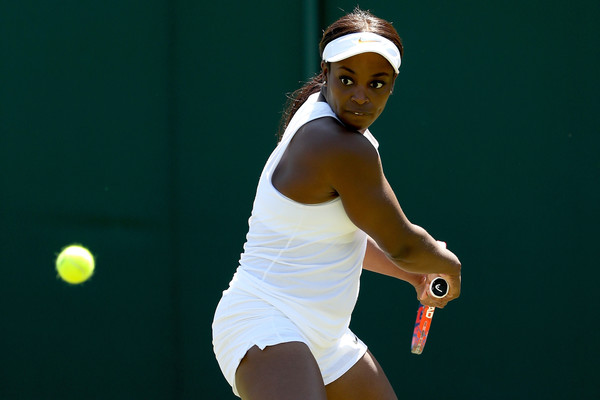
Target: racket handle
422,325
438,288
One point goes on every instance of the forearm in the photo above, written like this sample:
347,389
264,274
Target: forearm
376,260
422,254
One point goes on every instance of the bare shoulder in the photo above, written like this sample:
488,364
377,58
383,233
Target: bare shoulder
322,158
327,138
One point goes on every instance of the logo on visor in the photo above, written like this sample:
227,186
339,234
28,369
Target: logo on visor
360,40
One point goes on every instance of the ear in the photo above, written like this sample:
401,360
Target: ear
393,84
324,68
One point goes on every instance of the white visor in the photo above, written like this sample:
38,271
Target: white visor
362,42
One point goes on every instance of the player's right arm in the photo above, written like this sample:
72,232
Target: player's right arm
355,173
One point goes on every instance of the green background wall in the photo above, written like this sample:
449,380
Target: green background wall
139,129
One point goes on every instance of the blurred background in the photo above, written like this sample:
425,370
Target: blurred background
139,129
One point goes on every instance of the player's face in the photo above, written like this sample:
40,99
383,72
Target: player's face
358,88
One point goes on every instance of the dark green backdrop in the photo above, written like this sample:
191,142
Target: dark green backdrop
139,128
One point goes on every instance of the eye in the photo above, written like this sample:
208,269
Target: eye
346,81
377,84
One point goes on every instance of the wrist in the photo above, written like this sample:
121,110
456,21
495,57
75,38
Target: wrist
416,279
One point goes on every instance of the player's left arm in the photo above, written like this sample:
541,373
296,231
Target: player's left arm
377,261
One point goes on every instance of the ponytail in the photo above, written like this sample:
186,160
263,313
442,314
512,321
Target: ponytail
297,98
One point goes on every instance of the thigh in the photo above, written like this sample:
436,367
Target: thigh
364,381
286,371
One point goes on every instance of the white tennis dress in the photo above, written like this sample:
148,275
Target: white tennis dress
298,278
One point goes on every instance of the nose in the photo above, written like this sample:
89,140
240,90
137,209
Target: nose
359,96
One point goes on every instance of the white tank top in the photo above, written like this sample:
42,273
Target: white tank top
305,259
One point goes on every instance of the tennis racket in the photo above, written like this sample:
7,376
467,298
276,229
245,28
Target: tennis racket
438,288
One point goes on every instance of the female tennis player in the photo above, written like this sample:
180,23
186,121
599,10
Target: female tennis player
324,211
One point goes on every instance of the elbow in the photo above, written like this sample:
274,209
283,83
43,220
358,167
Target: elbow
401,254
404,257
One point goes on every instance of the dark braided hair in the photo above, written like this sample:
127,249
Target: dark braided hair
357,21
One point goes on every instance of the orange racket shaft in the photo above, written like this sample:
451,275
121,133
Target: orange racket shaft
438,288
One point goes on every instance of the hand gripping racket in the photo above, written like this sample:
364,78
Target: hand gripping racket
438,288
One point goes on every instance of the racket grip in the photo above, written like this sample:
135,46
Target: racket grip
437,288
422,325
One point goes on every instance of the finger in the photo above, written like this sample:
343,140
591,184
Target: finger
434,303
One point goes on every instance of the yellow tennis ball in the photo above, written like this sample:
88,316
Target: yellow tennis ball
75,264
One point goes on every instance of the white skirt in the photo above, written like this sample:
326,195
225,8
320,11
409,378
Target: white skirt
243,320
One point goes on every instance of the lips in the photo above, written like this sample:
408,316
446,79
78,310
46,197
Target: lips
358,113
